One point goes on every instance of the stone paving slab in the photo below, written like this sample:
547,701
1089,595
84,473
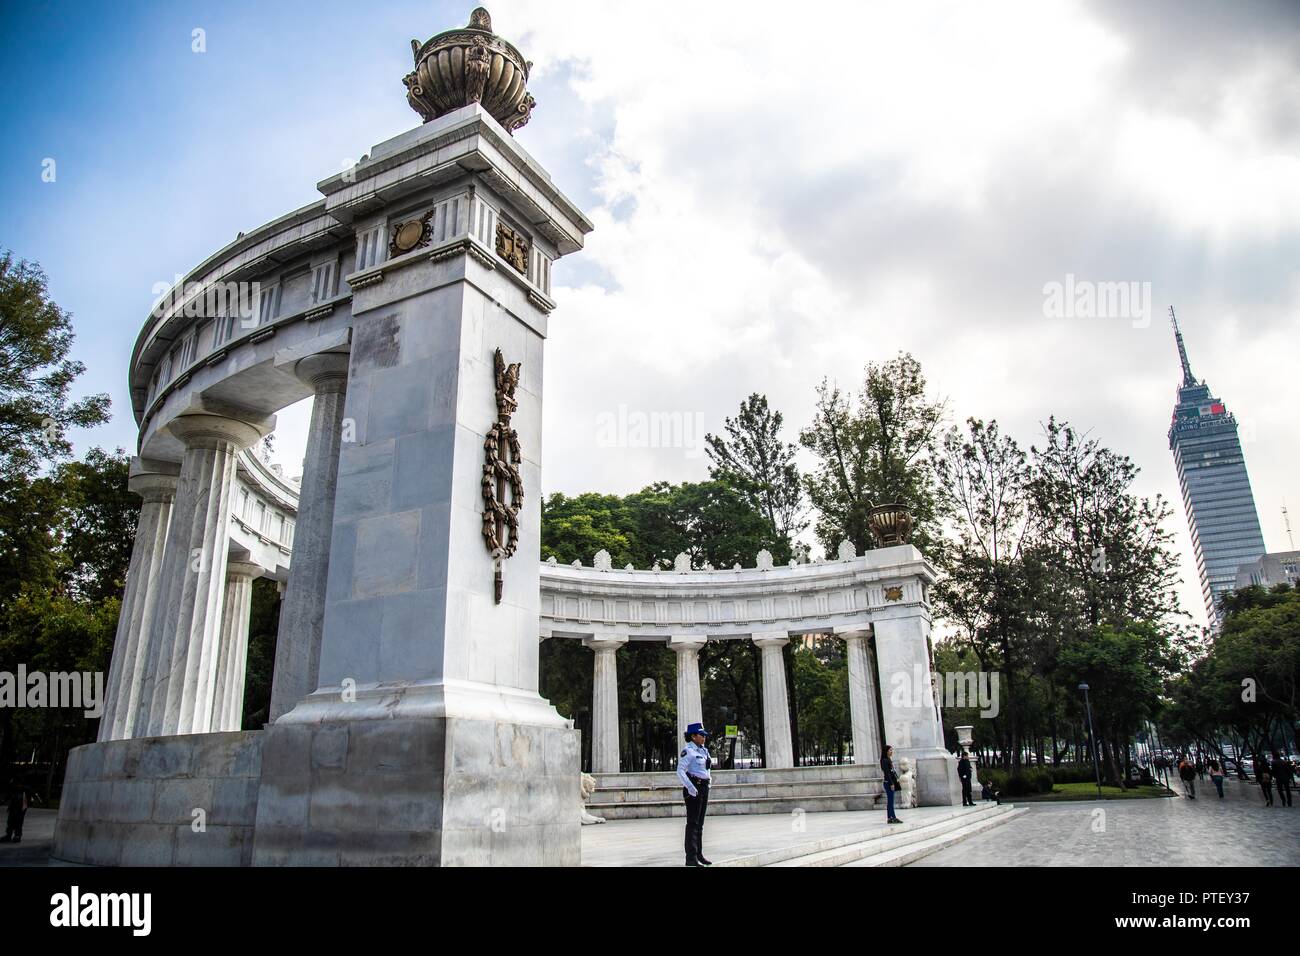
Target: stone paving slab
659,841
1236,831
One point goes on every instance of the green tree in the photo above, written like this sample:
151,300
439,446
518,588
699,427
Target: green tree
36,374
755,460
874,448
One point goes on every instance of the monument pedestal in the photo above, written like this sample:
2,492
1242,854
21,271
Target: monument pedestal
429,791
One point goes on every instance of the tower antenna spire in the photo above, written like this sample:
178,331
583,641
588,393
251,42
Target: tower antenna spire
1188,378
1286,520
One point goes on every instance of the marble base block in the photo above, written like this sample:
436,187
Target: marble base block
430,791
936,776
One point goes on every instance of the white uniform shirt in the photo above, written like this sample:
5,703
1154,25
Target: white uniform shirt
694,762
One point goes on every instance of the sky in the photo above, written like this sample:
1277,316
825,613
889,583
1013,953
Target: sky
780,194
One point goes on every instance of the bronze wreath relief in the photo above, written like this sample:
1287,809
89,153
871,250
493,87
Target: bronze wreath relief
502,459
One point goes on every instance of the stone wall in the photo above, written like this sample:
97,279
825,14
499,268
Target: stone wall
134,802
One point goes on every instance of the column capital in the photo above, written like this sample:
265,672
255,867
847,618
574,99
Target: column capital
243,569
324,372
770,638
208,430
853,632
605,642
687,642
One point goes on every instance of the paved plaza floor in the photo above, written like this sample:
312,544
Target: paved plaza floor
1235,831
660,841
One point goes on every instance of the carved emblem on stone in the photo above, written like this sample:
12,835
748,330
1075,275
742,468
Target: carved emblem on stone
602,562
513,246
764,560
681,564
847,551
894,593
411,234
503,488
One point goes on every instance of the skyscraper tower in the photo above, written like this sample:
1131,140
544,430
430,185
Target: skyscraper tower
1216,488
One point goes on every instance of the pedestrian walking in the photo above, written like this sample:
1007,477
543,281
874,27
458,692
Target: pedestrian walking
1216,777
964,774
891,784
1282,779
693,771
1187,774
1265,780
18,802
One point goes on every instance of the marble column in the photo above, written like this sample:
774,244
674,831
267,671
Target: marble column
862,698
690,708
155,483
778,748
912,722
193,577
232,654
604,703
302,616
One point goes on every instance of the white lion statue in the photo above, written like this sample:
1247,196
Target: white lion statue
588,787
907,782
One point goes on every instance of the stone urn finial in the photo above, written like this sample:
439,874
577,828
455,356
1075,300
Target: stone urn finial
891,524
470,64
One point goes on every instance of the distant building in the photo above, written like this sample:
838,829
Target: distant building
1216,488
1281,567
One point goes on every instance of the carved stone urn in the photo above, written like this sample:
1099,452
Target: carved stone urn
467,65
891,524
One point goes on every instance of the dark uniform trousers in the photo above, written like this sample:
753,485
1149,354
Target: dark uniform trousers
695,807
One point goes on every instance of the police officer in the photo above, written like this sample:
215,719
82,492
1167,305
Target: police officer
693,772
964,774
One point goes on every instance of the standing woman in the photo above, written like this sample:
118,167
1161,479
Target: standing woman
891,783
693,772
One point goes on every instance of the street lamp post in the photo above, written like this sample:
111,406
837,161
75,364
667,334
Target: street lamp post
1092,738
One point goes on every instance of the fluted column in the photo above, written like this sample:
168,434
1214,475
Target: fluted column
604,703
690,708
186,627
862,699
778,748
232,655
302,616
155,482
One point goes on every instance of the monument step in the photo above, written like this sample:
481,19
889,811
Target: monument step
901,856
877,838
668,779
784,804
739,791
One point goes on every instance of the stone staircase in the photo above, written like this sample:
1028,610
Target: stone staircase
628,796
887,844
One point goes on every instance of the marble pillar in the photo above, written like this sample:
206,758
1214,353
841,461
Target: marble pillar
778,748
604,703
193,577
297,649
155,483
232,653
690,707
912,722
862,698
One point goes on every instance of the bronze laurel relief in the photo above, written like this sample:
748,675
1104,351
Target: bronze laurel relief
513,246
503,488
